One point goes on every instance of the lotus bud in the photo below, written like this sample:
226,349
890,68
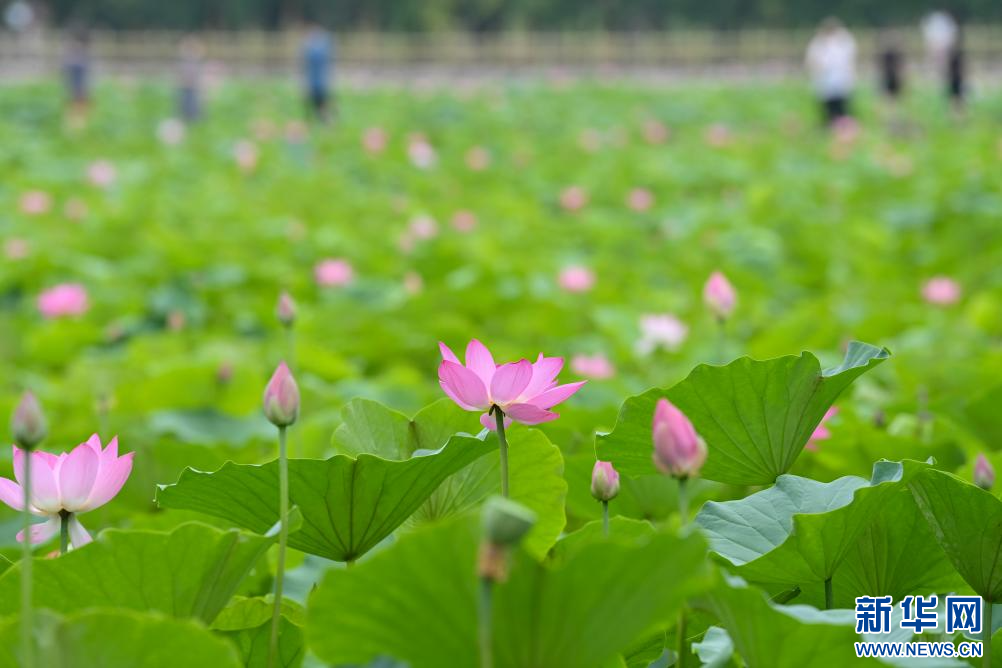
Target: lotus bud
281,398
28,422
678,449
604,481
506,522
719,295
285,310
984,473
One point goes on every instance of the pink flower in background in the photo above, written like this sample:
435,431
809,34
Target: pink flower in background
413,283
576,279
423,227
573,198
661,330
420,152
984,472
655,132
16,249
604,481
464,221
374,140
333,272
640,199
75,482
35,202
821,432
524,391
102,173
75,209
719,295
941,291
62,300
246,155
478,159
170,132
717,135
678,449
845,130
595,366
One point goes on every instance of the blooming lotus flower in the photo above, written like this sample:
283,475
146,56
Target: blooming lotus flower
678,449
941,291
423,227
655,132
464,221
604,481
333,272
421,153
984,472
35,202
821,432
640,199
573,198
719,295
717,135
101,173
63,300
74,482
662,330
595,366
374,140
281,397
576,279
524,391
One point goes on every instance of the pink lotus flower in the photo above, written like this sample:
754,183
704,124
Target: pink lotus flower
413,283
16,249
719,295
285,309
421,153
35,202
573,198
821,432
678,449
655,132
941,291
661,330
464,221
523,391
263,129
374,140
640,200
333,272
101,173
604,481
984,472
281,397
170,132
717,135
75,482
423,227
595,366
478,159
576,279
65,299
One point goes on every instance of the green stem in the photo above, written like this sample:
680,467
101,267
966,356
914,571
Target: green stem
683,502
64,531
986,634
829,597
680,647
283,536
485,622
503,445
605,517
721,339
27,612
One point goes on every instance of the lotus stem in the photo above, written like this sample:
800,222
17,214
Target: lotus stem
27,610
485,621
64,531
605,517
503,446
283,536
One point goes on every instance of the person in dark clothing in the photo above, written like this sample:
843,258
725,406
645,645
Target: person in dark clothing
317,58
76,69
189,86
892,62
956,78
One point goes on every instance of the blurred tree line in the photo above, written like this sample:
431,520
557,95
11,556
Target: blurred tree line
495,15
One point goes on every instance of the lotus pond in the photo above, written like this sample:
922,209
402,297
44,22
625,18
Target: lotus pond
696,240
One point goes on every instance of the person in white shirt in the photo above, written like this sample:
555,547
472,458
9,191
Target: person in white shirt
831,62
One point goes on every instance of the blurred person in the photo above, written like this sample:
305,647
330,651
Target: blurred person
892,64
956,76
940,33
317,57
831,62
77,72
191,55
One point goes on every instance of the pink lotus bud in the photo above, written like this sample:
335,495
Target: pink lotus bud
285,310
640,199
281,398
573,198
984,473
576,279
478,159
719,295
464,221
941,291
604,481
678,449
655,132
333,272
595,366
28,422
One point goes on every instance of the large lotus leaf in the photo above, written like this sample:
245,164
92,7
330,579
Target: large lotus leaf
247,622
417,601
799,531
967,522
775,636
348,504
191,571
756,416
118,639
4,563
535,472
